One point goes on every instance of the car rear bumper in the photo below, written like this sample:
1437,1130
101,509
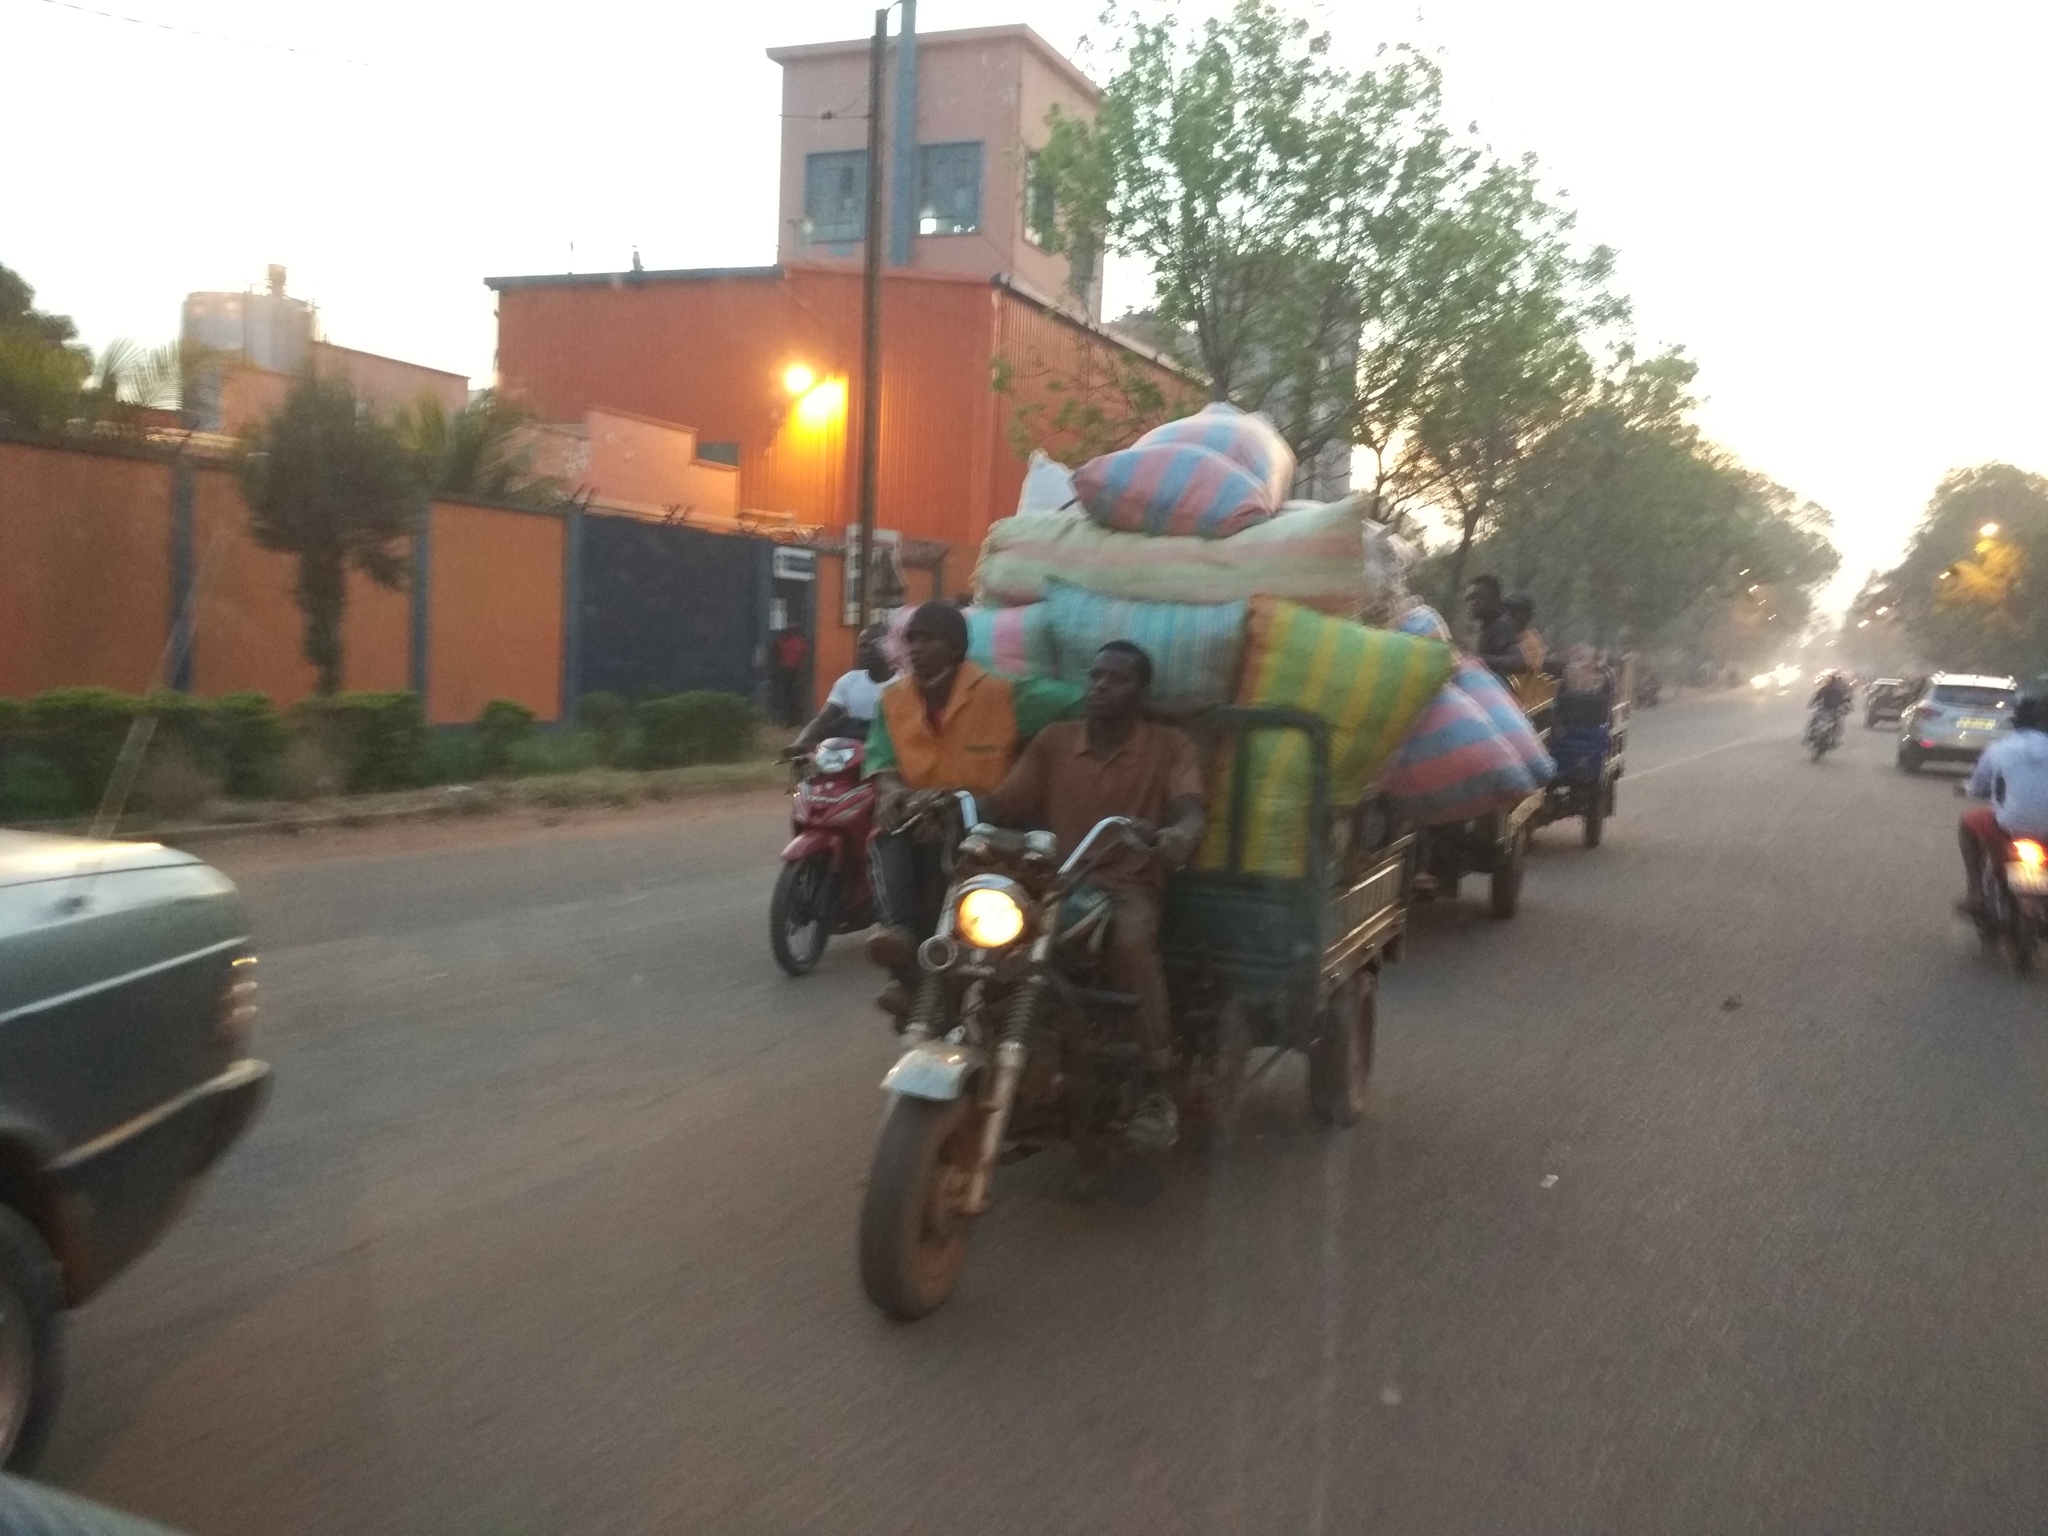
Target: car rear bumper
118,1192
1942,752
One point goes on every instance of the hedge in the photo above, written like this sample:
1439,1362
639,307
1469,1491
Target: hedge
699,727
377,740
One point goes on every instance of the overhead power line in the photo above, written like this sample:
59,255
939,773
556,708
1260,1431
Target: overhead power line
212,37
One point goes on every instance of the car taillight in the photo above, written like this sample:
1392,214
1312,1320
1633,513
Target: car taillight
237,1006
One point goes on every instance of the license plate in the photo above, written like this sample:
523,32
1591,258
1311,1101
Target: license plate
2027,879
1978,725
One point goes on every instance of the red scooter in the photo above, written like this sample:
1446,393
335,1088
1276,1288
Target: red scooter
825,886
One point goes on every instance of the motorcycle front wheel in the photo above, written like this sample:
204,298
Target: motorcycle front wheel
913,1228
800,913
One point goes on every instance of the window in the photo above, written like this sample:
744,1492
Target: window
949,189
836,195
1040,213
1971,696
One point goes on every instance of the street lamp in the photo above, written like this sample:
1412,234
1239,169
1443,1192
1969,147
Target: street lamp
1988,531
798,379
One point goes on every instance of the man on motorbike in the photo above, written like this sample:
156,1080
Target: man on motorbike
944,725
1115,762
2010,785
1833,693
850,706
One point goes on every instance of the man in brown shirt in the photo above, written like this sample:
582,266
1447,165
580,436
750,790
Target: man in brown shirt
1115,762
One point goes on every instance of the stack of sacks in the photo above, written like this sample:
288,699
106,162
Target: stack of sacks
1210,475
1311,553
1472,753
1368,685
1048,487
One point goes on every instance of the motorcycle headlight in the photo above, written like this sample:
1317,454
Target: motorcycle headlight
2026,851
831,759
989,916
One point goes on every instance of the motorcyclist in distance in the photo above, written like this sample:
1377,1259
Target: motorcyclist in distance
850,706
1834,692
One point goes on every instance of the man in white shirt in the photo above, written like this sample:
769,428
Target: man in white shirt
2011,781
850,706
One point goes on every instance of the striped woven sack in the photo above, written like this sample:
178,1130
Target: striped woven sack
1310,554
1016,642
1455,765
1246,440
1368,685
1173,489
1477,681
1194,646
1423,621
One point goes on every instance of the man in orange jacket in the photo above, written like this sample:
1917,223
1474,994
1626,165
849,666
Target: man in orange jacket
943,725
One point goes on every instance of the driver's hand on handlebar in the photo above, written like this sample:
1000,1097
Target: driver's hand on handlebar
1175,846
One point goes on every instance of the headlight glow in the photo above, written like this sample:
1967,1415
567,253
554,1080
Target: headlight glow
2027,851
989,919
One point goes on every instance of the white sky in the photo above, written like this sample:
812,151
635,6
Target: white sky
1838,209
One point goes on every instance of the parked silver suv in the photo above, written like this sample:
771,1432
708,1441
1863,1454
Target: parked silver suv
1955,719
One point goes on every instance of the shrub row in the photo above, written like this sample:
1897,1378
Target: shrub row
58,750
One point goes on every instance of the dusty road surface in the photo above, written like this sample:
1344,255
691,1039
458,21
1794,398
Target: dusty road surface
1709,1195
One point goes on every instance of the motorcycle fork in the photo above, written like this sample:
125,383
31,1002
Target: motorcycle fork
1018,1021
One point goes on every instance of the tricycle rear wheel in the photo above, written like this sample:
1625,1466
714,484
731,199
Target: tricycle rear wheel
1340,1057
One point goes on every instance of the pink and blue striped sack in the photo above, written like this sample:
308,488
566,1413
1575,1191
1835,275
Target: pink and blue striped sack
1015,642
1249,441
1171,488
1455,765
1491,695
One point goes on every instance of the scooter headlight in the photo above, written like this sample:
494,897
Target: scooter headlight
2030,853
990,915
831,759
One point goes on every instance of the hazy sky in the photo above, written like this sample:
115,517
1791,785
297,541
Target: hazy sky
1837,209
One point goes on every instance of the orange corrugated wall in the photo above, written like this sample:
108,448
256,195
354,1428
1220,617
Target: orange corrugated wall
494,582
85,582
248,631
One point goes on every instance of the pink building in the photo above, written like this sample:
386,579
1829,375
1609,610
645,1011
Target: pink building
982,98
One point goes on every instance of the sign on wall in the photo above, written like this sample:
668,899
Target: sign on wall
889,587
792,564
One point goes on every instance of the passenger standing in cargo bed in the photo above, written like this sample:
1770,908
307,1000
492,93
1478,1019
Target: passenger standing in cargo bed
944,725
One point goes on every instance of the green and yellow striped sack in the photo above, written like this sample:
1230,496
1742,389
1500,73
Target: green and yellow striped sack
1369,686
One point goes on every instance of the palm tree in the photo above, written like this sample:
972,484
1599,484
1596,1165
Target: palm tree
481,450
326,481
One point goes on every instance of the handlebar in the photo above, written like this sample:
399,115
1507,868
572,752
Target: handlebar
1108,823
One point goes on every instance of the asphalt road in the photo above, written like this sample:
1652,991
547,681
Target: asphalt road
1708,1195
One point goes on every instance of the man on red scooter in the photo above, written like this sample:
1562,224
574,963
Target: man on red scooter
2011,784
851,705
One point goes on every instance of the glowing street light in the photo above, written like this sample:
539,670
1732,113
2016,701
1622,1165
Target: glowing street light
1988,531
798,379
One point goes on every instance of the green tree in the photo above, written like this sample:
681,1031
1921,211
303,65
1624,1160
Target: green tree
1972,591
328,483
480,450
43,369
1266,190
1628,529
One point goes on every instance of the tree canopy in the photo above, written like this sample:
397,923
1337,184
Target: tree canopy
1972,591
477,451
1323,247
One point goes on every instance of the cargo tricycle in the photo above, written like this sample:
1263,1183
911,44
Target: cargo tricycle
1017,1042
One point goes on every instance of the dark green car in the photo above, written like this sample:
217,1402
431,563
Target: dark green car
126,999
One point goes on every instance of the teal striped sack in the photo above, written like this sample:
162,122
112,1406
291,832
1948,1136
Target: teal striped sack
1194,646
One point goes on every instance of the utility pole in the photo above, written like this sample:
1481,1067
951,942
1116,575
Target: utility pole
871,320
903,159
